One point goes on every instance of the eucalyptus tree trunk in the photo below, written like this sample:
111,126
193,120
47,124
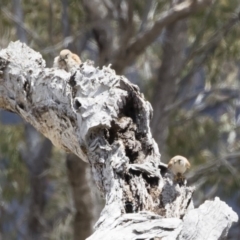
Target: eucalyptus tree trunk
166,86
104,120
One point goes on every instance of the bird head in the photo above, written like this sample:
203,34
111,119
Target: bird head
64,54
180,160
178,165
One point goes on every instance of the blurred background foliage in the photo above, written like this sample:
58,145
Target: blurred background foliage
196,105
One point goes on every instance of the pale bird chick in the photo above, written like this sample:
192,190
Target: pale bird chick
67,60
178,166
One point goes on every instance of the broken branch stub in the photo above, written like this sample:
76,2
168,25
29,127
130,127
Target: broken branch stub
104,119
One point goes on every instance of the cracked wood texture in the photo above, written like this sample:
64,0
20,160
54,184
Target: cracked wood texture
104,119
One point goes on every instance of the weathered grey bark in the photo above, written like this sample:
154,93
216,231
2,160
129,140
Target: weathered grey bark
104,119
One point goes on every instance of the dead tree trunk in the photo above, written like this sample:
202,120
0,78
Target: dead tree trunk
104,119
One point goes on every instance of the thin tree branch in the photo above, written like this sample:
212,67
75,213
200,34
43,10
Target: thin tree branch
101,28
193,95
205,51
217,36
50,21
60,216
18,15
210,102
147,8
31,33
200,33
126,25
126,54
213,166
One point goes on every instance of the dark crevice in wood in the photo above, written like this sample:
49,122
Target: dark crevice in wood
129,207
77,104
72,82
152,181
129,109
131,154
21,105
124,129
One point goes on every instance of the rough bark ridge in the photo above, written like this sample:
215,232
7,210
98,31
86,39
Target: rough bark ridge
104,119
